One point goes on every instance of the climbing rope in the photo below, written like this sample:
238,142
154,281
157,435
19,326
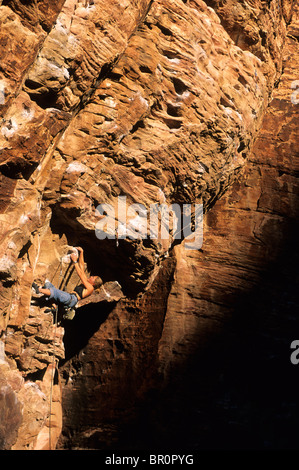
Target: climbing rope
59,266
53,361
53,377
64,280
47,330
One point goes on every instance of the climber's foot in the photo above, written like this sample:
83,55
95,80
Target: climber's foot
35,288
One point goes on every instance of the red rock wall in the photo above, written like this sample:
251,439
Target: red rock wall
231,312
160,102
218,368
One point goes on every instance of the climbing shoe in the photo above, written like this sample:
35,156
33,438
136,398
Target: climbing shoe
35,288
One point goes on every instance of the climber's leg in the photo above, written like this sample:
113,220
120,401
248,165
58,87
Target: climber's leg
46,292
59,296
43,290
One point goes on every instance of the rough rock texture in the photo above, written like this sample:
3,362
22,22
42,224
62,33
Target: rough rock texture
158,101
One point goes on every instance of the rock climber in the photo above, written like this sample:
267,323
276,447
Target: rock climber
69,300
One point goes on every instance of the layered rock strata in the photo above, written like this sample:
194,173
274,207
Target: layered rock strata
219,374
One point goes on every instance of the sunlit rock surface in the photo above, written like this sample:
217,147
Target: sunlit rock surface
159,102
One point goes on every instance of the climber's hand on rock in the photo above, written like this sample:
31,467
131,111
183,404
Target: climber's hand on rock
74,257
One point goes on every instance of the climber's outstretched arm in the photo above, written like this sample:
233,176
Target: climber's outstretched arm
89,287
81,257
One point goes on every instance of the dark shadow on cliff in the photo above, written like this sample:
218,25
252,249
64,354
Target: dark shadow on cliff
239,391
86,322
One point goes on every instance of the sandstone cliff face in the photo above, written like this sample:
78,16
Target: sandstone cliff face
161,102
